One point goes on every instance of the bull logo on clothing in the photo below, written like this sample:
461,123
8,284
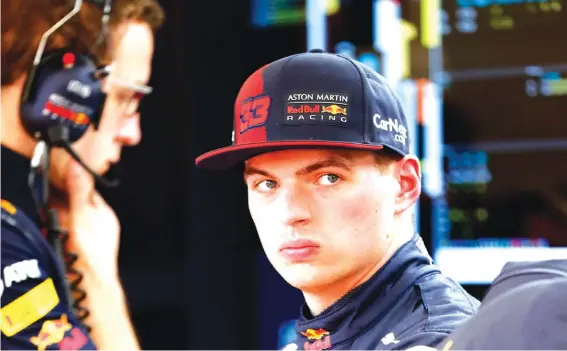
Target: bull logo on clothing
334,109
318,339
52,332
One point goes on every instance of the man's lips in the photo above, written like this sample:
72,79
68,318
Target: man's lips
299,249
298,244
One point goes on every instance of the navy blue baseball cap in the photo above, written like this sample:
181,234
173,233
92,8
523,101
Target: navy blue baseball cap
312,100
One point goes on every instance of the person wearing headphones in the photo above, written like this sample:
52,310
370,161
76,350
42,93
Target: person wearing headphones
73,73
331,184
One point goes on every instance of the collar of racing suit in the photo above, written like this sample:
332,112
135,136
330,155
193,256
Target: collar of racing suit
365,305
15,189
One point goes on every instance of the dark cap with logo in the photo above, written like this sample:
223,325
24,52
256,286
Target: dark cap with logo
313,100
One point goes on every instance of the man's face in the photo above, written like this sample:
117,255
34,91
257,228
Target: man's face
322,216
132,45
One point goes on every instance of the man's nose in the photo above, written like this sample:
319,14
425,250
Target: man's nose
130,133
295,206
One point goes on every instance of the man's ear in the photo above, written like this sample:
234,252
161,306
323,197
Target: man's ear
408,172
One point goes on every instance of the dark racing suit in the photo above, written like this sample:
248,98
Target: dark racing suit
406,303
524,309
36,313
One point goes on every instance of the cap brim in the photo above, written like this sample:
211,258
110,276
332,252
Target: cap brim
231,156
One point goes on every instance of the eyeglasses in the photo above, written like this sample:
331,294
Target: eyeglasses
128,94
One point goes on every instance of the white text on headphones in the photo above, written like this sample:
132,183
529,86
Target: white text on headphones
79,88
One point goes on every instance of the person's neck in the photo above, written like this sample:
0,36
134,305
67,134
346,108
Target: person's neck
322,298
14,136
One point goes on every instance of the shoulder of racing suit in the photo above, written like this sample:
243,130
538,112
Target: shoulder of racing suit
431,310
35,306
525,309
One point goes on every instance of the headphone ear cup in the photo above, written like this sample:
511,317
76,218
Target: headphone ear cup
62,90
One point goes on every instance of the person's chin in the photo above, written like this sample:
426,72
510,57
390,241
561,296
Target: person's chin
302,274
104,166
306,282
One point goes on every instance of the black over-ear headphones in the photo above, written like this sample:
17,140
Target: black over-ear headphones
63,93
62,88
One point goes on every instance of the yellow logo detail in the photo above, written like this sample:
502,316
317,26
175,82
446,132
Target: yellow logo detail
29,308
8,207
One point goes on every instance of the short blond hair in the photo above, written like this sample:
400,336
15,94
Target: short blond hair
385,158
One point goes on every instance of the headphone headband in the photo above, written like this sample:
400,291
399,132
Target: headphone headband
62,88
106,6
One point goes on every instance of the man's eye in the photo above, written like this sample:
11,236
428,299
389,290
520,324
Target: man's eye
328,179
266,185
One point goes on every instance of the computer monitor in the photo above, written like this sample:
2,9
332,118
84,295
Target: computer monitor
484,84
505,137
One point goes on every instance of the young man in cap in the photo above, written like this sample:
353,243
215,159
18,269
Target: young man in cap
331,186
37,310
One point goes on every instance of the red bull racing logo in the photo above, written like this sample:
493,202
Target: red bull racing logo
304,109
56,110
53,333
318,339
335,109
316,114
316,108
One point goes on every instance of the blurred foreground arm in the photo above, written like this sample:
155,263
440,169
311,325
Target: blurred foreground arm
94,235
109,317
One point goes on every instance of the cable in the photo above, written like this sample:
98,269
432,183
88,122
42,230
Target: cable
58,239
75,278
38,182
